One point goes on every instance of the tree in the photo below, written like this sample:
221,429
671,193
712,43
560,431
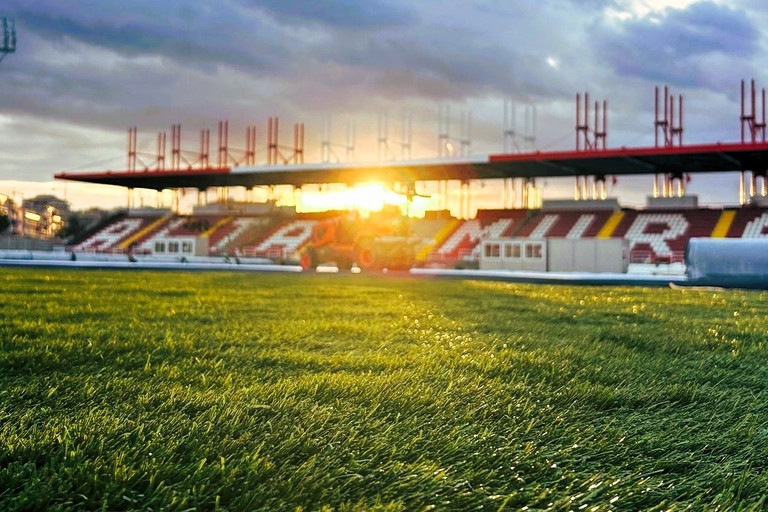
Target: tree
73,227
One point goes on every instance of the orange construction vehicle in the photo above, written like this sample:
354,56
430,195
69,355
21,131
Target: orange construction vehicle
381,241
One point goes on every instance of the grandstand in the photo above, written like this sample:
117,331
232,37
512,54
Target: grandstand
655,236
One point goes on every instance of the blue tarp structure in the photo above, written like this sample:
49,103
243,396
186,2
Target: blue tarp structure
731,262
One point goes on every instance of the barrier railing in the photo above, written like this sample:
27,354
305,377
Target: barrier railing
645,256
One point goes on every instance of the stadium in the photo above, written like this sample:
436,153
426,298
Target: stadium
589,233
547,354
262,390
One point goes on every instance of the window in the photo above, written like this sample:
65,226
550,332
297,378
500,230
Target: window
173,247
492,250
186,247
159,246
512,251
533,251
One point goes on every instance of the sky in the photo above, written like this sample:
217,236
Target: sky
84,71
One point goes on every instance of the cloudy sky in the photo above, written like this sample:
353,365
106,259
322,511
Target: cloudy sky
84,71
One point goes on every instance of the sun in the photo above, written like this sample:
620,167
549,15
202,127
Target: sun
363,197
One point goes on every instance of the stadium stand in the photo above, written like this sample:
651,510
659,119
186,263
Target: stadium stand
146,231
460,243
573,225
109,238
283,241
432,233
579,227
235,233
655,235
198,225
749,223
661,236
158,231
464,242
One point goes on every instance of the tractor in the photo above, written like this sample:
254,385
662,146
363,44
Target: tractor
379,242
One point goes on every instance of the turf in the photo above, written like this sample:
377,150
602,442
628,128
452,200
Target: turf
224,391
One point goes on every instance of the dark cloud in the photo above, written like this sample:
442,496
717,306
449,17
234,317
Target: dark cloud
197,35
361,52
344,14
679,45
428,64
108,66
103,66
99,67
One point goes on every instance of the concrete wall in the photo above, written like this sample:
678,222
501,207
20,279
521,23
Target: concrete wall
673,202
15,242
590,205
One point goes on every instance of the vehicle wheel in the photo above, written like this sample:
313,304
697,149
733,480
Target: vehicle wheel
366,258
309,260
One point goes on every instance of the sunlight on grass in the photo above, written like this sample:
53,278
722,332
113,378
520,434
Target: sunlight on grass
178,391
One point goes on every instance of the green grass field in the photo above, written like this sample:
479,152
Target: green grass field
233,391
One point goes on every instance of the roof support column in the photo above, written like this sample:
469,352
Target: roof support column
601,189
525,189
531,194
742,188
442,193
464,199
508,187
763,185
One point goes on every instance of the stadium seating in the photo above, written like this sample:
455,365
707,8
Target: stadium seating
655,232
225,240
543,227
195,225
283,241
655,236
464,241
579,227
749,223
109,238
577,224
660,236
147,243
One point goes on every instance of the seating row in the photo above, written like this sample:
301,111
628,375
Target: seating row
658,234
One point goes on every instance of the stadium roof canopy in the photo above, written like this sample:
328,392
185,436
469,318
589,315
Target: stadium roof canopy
719,157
